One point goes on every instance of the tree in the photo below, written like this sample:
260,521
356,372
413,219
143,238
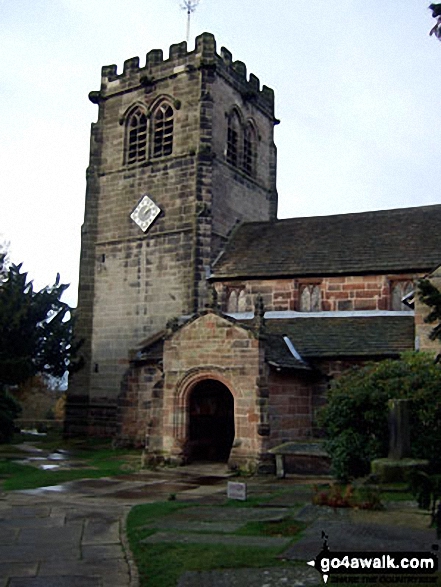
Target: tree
431,296
436,13
36,335
4,260
355,418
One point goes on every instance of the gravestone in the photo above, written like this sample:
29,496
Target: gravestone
397,466
399,438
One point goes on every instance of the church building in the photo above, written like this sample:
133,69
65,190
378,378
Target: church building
211,328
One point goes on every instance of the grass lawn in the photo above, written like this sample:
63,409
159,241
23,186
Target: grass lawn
98,460
160,565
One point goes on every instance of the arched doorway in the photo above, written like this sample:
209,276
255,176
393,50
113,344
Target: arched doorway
211,430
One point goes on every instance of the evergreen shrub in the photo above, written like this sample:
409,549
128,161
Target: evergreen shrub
355,418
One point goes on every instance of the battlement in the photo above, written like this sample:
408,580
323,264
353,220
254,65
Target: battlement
180,60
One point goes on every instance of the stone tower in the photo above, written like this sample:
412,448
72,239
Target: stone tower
194,134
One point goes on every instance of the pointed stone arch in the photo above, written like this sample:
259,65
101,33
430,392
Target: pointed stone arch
234,137
135,134
162,122
250,138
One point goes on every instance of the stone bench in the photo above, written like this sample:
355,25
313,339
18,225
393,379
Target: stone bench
309,450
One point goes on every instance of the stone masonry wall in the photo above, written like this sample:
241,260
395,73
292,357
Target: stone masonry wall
140,406
290,407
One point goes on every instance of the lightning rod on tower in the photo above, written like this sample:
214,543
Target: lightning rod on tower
190,7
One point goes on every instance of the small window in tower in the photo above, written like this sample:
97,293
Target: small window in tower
162,135
249,150
233,139
136,136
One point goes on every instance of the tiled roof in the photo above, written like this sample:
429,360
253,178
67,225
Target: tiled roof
402,240
278,354
315,337
372,336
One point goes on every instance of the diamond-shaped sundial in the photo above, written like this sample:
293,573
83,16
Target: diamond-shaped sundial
145,213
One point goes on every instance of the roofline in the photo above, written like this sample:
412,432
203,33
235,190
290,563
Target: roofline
294,275
289,314
344,214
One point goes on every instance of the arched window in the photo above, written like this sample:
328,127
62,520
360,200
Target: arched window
249,150
310,298
162,131
233,139
136,136
242,301
232,302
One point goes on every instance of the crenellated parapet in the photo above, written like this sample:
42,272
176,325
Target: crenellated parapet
183,62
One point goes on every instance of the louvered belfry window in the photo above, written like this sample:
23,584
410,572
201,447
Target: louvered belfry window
233,140
249,150
162,131
136,143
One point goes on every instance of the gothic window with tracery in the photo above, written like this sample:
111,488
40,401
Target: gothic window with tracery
162,131
249,150
136,136
399,290
310,298
233,139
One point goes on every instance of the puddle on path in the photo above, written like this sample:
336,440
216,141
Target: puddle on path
148,491
57,456
44,490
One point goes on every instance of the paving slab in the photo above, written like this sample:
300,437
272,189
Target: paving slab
63,581
231,514
352,536
14,553
8,535
30,522
310,513
102,552
67,535
23,569
270,577
191,526
87,568
101,532
230,540
26,511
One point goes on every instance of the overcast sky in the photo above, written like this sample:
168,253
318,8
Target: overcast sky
357,85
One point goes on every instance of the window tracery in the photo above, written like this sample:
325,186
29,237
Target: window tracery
233,139
162,131
249,150
136,136
241,150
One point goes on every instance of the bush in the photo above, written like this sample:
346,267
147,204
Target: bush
355,419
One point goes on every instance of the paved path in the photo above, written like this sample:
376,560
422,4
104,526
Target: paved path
74,535
54,542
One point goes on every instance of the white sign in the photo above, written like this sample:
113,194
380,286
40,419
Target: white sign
145,213
237,490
